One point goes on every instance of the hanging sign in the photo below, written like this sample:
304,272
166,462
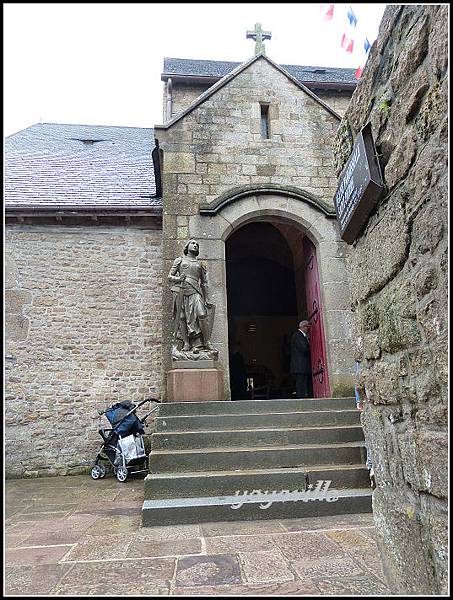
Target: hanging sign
360,187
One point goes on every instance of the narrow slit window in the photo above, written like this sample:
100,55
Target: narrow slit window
265,130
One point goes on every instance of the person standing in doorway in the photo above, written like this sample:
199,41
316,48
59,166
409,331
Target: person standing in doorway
300,360
238,373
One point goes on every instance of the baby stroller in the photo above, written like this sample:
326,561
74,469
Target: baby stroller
122,445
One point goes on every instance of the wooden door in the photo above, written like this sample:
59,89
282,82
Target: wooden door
321,388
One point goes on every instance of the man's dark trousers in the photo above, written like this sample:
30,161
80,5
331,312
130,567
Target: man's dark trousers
301,364
303,385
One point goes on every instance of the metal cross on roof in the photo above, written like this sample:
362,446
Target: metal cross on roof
259,35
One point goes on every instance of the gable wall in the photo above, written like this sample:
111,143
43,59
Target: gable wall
225,130
183,94
339,101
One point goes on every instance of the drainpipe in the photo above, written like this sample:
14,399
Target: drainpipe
169,98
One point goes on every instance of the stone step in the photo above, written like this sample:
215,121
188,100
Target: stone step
227,459
227,483
219,508
258,421
259,437
172,409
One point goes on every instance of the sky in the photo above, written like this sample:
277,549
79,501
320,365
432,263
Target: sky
100,64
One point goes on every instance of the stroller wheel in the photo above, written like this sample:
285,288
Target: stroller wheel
97,472
121,474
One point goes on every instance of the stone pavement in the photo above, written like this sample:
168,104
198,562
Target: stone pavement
75,536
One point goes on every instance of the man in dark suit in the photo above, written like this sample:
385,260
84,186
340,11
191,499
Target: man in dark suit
300,360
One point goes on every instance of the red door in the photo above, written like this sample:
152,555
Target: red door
321,388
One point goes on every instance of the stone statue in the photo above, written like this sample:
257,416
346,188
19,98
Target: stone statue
193,312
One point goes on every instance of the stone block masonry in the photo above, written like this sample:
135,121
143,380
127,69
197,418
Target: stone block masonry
83,330
217,148
399,281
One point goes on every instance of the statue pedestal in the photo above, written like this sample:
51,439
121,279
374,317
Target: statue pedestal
195,384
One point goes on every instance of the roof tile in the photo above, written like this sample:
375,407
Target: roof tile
49,165
220,68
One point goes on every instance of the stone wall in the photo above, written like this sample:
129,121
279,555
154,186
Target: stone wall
217,148
83,330
339,101
183,94
399,290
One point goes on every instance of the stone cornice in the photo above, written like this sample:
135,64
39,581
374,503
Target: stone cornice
82,210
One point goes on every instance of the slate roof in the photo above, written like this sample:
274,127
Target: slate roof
48,166
219,68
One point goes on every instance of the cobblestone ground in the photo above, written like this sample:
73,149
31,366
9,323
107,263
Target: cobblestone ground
75,536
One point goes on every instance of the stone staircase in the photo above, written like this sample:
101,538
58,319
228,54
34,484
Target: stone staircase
208,457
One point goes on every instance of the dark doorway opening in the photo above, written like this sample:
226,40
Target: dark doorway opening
265,296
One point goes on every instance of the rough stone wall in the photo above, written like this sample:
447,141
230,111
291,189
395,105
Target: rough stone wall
339,101
184,94
218,147
83,330
399,290
226,149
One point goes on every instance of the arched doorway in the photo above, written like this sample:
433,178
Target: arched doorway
272,283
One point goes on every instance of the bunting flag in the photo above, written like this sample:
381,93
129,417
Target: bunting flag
352,42
366,47
347,39
347,43
327,11
358,72
352,18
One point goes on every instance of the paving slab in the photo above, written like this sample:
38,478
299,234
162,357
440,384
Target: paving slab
148,549
35,580
351,586
117,578
247,543
287,588
95,547
307,545
36,555
64,537
220,569
332,566
265,567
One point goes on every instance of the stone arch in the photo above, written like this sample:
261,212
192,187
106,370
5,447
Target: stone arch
242,192
213,230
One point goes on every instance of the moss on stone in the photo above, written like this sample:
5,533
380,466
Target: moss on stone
369,317
384,107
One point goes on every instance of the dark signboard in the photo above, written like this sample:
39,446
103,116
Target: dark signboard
360,187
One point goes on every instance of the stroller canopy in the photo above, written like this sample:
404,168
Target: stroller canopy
122,424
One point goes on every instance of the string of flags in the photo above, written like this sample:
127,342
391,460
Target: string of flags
350,41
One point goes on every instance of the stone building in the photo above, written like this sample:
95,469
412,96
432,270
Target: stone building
399,285
96,215
82,287
247,170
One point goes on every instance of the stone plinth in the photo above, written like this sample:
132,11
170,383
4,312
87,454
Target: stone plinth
194,385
